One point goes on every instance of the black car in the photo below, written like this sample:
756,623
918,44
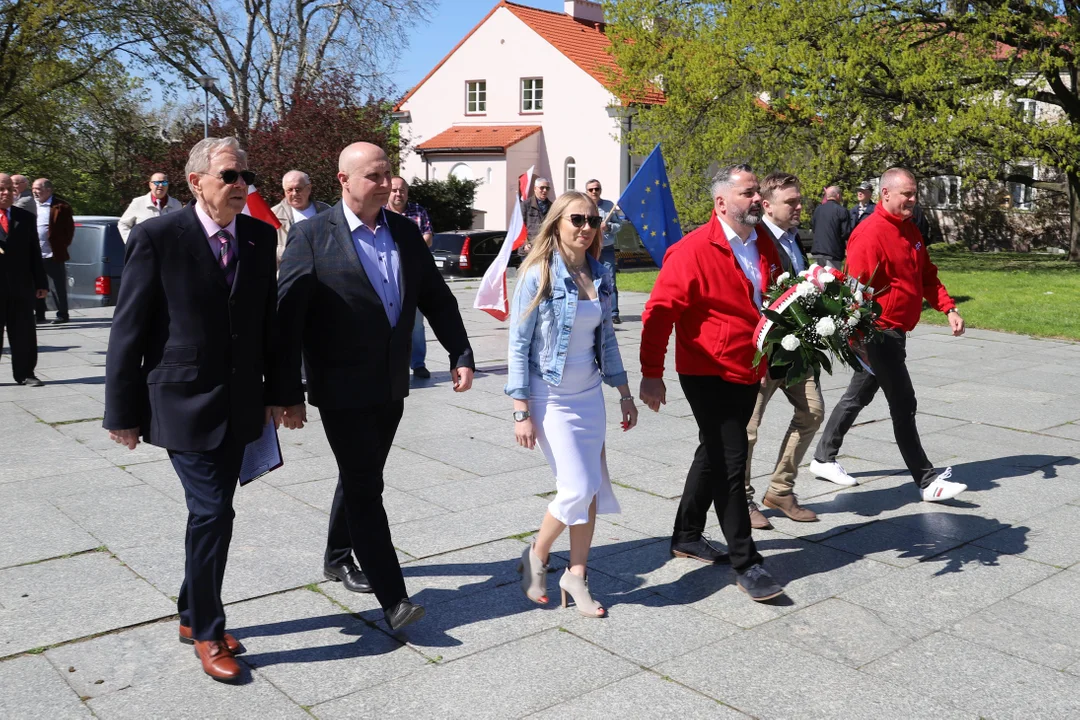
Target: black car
95,263
468,252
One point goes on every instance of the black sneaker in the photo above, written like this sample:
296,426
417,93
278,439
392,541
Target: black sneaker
421,372
758,583
616,320
701,549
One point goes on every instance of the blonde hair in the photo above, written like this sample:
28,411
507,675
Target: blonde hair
546,244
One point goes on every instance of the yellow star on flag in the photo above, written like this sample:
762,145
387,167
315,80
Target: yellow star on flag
657,182
652,234
644,227
648,189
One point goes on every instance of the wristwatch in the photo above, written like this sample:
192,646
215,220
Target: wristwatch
952,310
521,415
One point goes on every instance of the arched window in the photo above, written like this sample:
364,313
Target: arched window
462,171
570,174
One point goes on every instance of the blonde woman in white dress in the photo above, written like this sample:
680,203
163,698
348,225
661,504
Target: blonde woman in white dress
562,346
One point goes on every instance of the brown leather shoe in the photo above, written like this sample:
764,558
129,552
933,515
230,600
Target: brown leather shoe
789,505
217,661
757,520
230,642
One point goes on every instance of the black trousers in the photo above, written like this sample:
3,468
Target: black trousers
209,480
717,475
361,440
57,273
17,317
887,359
338,540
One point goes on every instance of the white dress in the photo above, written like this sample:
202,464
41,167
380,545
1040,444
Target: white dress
570,422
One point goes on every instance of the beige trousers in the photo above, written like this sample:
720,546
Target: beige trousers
805,398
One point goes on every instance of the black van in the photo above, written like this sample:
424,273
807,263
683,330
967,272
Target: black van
97,259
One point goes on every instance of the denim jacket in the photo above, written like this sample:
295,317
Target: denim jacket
538,340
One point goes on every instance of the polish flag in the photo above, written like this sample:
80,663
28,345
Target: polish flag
492,297
257,208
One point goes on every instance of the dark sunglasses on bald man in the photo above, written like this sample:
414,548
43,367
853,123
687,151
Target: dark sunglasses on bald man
229,177
160,183
579,220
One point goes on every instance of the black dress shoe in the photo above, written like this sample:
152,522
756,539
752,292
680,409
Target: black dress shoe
32,382
59,321
616,320
402,614
701,549
348,575
421,372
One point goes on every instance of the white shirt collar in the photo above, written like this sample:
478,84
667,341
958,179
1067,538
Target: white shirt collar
773,228
209,226
733,236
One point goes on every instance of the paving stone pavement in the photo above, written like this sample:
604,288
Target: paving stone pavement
894,608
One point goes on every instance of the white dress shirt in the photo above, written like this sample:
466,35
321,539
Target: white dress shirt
789,240
747,255
300,216
43,211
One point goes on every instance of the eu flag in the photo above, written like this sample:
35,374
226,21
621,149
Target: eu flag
648,204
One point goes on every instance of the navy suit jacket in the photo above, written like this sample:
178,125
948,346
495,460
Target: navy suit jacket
785,259
21,268
189,358
328,306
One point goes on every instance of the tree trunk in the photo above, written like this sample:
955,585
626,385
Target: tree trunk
1074,215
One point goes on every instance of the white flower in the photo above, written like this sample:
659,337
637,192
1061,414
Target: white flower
783,277
805,289
825,327
826,277
859,297
790,342
853,320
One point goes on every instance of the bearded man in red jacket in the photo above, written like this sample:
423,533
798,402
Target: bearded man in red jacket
710,290
887,252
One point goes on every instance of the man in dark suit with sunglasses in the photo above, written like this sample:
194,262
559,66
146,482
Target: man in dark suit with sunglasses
193,367
351,281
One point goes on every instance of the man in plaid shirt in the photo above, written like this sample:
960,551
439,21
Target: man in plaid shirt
399,203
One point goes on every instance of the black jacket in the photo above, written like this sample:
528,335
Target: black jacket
189,358
856,218
832,226
327,305
22,271
534,216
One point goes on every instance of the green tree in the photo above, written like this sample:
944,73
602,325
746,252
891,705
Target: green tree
448,202
839,90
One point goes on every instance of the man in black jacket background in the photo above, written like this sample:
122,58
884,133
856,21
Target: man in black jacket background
831,225
22,281
351,281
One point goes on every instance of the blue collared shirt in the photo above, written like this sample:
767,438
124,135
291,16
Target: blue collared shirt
379,255
789,240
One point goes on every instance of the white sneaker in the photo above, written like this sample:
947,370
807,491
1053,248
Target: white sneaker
833,472
942,488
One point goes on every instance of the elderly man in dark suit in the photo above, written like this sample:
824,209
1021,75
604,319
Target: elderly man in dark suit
22,278
193,367
351,281
831,224
56,230
781,199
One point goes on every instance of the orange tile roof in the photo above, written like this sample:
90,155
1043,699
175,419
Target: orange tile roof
583,42
478,138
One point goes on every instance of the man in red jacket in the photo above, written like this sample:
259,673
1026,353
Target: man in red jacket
710,289
888,252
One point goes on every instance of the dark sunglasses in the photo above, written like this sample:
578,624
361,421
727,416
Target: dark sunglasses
160,183
229,177
579,220
592,190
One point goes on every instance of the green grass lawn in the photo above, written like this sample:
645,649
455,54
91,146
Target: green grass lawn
1014,292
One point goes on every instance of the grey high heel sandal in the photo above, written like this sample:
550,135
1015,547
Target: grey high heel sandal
578,588
533,576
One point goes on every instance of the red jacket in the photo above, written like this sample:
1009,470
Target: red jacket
889,254
702,291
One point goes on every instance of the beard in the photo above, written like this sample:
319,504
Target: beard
751,216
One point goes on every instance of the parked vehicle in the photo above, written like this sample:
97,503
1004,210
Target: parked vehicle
468,252
96,262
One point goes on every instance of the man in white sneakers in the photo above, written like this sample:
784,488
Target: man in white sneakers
886,251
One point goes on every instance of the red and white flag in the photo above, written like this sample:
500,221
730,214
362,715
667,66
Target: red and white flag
258,208
492,297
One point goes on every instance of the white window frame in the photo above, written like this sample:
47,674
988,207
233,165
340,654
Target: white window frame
950,186
1026,200
476,95
1027,109
569,174
532,95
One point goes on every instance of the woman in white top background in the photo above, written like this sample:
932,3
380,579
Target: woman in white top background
562,346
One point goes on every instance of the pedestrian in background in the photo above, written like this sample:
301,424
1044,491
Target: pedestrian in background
296,207
865,205
399,203
56,229
22,279
155,204
612,223
831,224
562,345
24,199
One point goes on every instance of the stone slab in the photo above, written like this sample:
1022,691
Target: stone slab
1037,634
31,688
641,696
34,530
1049,538
64,409
1060,592
452,531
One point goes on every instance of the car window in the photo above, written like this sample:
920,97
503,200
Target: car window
88,244
447,242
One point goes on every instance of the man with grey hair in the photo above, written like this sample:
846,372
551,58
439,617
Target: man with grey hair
612,223
831,224
156,203
535,209
297,206
24,199
710,288
888,253
56,230
194,366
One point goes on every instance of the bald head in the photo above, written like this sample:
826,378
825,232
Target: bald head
833,193
7,191
364,174
899,191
